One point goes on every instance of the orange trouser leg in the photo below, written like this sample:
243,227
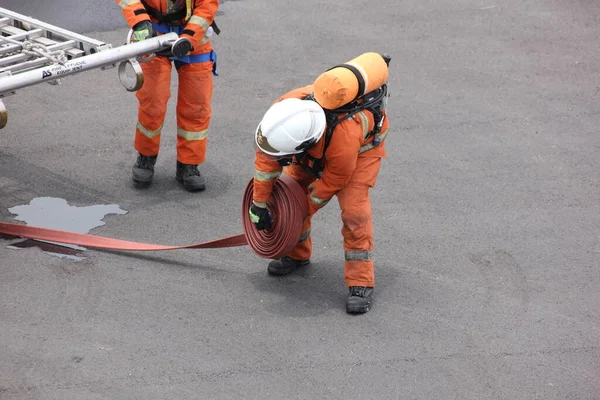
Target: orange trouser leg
303,249
358,223
193,111
152,97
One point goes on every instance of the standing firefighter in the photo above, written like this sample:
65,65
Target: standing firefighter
191,19
329,137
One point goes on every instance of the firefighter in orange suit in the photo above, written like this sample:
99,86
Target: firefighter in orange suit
291,135
191,19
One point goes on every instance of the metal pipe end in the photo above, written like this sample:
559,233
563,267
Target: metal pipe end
3,115
131,75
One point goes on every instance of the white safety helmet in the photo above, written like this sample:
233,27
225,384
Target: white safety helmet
289,127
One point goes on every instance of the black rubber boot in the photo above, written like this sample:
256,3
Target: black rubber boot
359,299
191,178
143,169
285,265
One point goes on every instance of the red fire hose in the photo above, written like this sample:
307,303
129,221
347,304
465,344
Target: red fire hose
288,204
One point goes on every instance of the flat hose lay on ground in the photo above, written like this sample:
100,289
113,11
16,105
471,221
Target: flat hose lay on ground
288,205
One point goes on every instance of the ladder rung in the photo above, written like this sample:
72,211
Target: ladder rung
44,41
74,53
12,30
25,34
37,62
11,48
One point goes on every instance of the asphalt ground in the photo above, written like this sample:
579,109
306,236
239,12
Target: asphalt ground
487,218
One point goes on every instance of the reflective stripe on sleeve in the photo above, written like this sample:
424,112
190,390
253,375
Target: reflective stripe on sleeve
203,23
266,176
317,200
125,3
304,236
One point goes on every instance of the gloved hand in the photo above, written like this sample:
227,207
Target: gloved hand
143,30
261,217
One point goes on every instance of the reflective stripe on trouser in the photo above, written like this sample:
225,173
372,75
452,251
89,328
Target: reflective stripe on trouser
357,222
193,108
303,249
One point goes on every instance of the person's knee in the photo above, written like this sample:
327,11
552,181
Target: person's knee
199,112
155,106
355,196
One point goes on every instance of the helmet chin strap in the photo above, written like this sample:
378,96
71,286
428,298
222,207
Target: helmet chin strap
284,162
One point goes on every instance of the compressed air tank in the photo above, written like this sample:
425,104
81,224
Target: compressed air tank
346,82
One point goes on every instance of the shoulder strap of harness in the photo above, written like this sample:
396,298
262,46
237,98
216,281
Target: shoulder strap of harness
172,18
373,102
164,18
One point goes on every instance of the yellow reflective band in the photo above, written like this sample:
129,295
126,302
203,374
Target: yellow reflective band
370,145
266,176
317,200
357,255
125,3
203,23
304,236
365,123
191,135
188,7
147,132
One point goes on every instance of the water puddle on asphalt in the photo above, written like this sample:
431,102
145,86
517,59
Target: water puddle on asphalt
56,213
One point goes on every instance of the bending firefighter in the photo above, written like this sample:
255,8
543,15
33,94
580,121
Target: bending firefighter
329,137
194,20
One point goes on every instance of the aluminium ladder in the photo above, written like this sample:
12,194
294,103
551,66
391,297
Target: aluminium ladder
34,52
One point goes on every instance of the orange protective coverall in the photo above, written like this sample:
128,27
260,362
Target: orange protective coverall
195,85
349,172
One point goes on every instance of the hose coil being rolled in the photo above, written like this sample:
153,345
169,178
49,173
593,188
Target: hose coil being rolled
289,206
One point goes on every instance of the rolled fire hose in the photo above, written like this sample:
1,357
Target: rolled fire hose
288,205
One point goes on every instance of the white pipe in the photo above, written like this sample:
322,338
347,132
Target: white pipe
10,83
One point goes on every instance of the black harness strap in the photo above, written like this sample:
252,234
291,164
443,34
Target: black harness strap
164,18
372,102
172,18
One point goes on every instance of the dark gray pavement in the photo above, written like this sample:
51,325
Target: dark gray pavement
487,218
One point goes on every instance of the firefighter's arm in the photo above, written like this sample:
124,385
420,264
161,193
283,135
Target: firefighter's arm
201,19
266,172
341,157
133,11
